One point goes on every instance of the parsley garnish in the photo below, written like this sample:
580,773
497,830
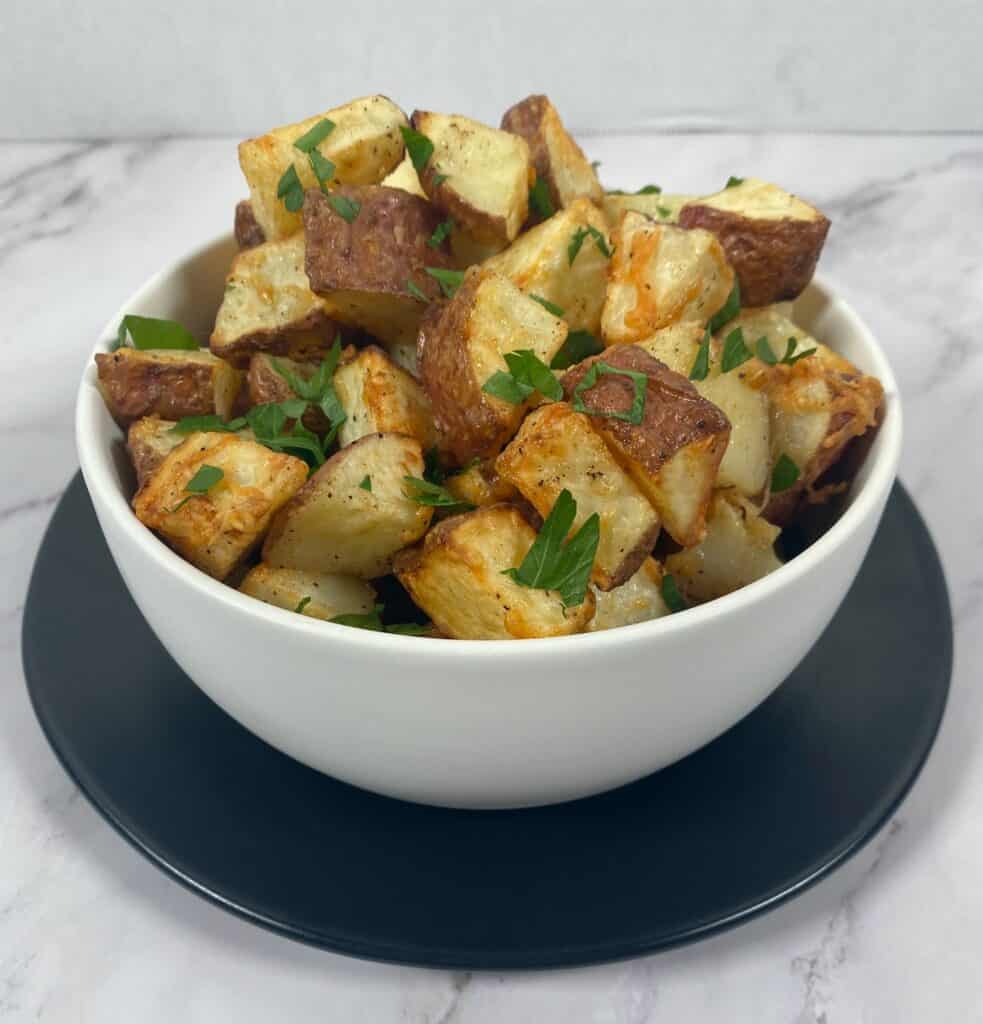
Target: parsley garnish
415,291
449,280
149,332
550,307
290,190
637,411
346,208
577,240
267,423
648,190
302,604
313,137
594,164
735,351
733,182
555,563
728,310
373,620
212,424
785,473
579,345
423,492
322,167
539,199
433,469
438,180
790,358
527,373
418,146
701,365
663,211
366,483
440,232
318,389
201,483
671,595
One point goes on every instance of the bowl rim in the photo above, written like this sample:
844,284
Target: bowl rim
99,473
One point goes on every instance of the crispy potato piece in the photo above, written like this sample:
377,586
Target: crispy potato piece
557,159
335,525
477,174
326,594
405,177
457,577
480,484
539,263
557,448
364,145
381,398
661,275
661,206
166,382
818,405
674,453
462,344
247,230
363,268
746,464
738,549
268,306
772,239
149,441
638,600
403,354
267,385
215,531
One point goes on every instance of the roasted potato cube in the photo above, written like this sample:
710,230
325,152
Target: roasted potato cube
170,383
772,239
538,261
462,344
557,159
266,384
746,464
149,441
661,275
457,576
247,230
557,448
477,174
320,595
363,268
674,453
337,524
268,306
481,484
638,600
216,530
405,177
738,549
817,406
364,145
381,398
661,206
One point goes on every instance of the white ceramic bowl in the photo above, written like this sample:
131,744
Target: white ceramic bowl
466,723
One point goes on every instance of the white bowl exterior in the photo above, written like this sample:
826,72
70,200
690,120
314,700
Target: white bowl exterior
470,724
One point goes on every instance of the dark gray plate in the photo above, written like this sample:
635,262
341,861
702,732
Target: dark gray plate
729,832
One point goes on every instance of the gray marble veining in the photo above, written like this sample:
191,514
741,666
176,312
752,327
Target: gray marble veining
90,932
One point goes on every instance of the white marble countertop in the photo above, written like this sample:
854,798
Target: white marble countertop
89,931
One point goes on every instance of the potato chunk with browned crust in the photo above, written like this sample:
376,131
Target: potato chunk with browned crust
477,174
380,397
660,206
215,530
463,343
320,595
149,441
481,484
457,576
539,262
364,266
558,448
364,145
556,158
637,600
170,383
674,449
772,239
661,275
353,514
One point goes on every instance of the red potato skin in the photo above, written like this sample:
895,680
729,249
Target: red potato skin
774,259
675,414
384,247
248,233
